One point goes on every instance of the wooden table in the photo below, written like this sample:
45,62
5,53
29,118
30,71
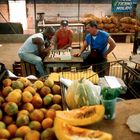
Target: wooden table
118,127
51,62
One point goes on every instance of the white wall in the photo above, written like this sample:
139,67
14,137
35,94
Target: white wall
67,10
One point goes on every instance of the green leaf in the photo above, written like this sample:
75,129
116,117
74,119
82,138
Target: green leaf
110,93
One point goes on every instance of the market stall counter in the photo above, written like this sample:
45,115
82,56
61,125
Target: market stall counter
118,127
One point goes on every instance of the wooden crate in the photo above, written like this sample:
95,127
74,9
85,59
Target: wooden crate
24,69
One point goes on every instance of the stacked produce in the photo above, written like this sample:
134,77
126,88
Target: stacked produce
114,24
74,75
33,111
28,109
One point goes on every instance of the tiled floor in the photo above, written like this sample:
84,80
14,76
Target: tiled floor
8,52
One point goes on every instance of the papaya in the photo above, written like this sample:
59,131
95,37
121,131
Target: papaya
83,116
65,131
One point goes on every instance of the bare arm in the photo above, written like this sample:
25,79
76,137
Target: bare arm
82,49
112,45
53,42
43,51
38,41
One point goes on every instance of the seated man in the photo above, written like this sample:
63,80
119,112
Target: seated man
36,47
63,36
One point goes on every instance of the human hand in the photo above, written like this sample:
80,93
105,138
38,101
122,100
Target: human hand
77,54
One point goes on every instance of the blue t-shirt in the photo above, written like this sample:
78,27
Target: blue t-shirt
100,41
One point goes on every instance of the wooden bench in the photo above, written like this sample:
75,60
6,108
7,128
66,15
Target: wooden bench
128,36
24,69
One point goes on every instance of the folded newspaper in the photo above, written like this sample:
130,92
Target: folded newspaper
113,82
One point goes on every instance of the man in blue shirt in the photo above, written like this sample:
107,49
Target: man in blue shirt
36,47
101,44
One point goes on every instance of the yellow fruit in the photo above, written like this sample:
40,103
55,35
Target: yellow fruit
16,138
49,82
37,115
7,82
48,134
22,131
7,119
32,135
56,107
37,101
12,128
27,97
17,85
30,89
38,84
1,101
56,89
44,91
51,95
6,90
14,96
26,82
57,99
1,114
51,113
44,110
2,125
4,133
28,106
47,123
47,100
11,108
35,125
23,112
22,120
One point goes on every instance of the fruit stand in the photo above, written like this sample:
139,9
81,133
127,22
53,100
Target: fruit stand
36,108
